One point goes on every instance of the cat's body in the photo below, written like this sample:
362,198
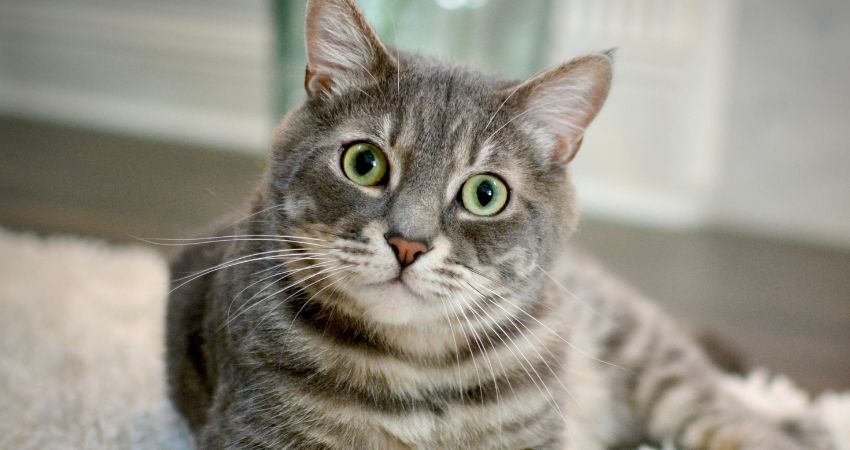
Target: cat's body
399,309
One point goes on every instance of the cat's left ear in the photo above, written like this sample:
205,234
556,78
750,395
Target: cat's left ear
560,103
342,49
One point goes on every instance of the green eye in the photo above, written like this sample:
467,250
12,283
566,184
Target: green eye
484,195
364,164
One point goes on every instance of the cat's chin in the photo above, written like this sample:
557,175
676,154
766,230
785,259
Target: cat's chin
391,303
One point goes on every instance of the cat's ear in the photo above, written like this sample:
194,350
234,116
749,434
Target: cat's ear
560,103
342,49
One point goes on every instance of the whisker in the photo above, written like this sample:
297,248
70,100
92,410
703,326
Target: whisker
242,259
456,350
321,231
397,60
248,307
546,327
514,91
281,252
363,92
253,214
576,297
518,115
557,284
303,289
260,272
539,355
280,276
492,371
540,387
287,273
344,277
271,268
471,353
236,238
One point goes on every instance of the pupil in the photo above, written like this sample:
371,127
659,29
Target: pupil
364,162
484,192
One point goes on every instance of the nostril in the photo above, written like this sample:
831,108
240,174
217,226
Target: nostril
415,253
394,248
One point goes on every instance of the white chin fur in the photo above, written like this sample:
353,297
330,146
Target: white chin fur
390,303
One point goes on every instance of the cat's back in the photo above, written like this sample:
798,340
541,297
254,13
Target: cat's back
605,308
581,278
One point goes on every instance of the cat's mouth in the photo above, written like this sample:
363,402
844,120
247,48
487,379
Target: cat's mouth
392,301
396,282
396,287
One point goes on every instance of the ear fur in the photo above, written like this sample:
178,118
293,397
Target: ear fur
561,102
342,48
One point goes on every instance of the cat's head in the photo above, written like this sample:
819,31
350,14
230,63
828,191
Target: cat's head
433,188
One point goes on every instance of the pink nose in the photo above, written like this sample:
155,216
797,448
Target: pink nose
406,251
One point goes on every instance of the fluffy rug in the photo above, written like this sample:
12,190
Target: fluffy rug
81,353
81,347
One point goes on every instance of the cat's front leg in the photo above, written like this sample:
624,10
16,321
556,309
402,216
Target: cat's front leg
730,430
678,396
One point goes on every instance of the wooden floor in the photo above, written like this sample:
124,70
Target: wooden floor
786,306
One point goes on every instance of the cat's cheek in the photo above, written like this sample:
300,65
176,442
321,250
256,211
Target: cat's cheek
298,207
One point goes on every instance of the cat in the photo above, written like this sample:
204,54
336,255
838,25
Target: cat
403,279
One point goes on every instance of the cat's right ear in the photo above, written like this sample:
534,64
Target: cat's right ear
560,103
342,49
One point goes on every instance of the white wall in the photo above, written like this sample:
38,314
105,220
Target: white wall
787,157
191,70
725,113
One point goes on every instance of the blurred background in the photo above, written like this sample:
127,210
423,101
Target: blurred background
716,179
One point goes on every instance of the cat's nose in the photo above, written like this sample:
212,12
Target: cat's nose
406,251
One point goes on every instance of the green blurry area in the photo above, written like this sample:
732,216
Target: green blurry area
500,36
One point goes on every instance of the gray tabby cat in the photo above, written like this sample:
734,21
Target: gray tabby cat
402,281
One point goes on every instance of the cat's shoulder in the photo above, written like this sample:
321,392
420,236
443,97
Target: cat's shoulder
575,265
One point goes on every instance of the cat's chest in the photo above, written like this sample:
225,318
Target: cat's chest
404,431
444,429
522,417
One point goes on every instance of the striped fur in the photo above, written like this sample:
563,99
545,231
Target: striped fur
290,331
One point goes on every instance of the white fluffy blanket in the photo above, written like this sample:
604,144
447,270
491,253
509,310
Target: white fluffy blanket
81,352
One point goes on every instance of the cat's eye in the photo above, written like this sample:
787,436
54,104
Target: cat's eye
484,195
364,164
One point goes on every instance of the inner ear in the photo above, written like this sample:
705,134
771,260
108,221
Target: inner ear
568,151
563,101
342,49
316,83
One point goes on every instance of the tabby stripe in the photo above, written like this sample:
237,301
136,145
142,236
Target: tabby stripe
624,326
663,382
692,420
352,332
661,388
335,382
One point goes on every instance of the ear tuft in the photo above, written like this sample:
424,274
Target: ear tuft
563,101
342,49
